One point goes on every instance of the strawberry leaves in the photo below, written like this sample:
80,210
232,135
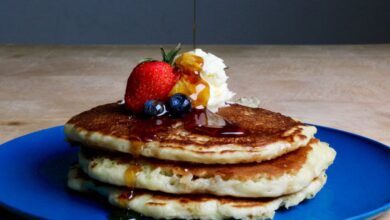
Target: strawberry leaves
170,56
167,57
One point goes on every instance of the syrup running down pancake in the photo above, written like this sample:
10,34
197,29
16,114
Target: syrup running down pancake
236,134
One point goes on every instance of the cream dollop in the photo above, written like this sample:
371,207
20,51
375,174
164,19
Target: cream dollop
213,72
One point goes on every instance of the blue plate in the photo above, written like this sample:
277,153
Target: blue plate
33,171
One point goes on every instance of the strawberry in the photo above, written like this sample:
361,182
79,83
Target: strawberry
151,80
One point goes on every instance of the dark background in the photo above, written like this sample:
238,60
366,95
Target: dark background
170,21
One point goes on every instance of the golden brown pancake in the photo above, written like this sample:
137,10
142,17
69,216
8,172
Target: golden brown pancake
286,174
262,126
236,134
188,206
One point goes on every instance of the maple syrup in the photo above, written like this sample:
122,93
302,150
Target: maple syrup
203,121
126,196
146,129
137,146
189,66
143,130
130,175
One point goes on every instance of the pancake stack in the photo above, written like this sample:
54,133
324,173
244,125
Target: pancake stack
240,162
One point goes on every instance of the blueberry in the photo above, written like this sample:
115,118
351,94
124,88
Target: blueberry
154,108
179,104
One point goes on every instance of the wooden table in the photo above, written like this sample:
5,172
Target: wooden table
346,87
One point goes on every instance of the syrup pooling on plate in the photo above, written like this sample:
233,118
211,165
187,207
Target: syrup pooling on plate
189,66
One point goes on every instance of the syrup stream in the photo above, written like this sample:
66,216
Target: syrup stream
194,26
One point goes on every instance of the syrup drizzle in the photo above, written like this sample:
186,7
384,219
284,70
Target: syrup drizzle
146,129
125,197
189,66
130,177
200,121
131,174
137,146
203,121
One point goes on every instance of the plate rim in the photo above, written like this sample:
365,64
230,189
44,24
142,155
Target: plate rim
386,206
364,215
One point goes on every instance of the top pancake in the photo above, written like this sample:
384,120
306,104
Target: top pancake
267,135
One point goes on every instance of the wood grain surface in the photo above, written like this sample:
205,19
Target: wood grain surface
346,87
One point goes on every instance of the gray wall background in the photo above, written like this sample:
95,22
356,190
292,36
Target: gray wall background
170,21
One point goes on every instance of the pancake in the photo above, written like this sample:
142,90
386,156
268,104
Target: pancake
170,206
247,135
286,174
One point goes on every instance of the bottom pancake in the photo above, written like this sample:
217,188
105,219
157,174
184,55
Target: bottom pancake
169,206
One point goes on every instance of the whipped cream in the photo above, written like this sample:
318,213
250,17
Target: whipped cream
213,72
